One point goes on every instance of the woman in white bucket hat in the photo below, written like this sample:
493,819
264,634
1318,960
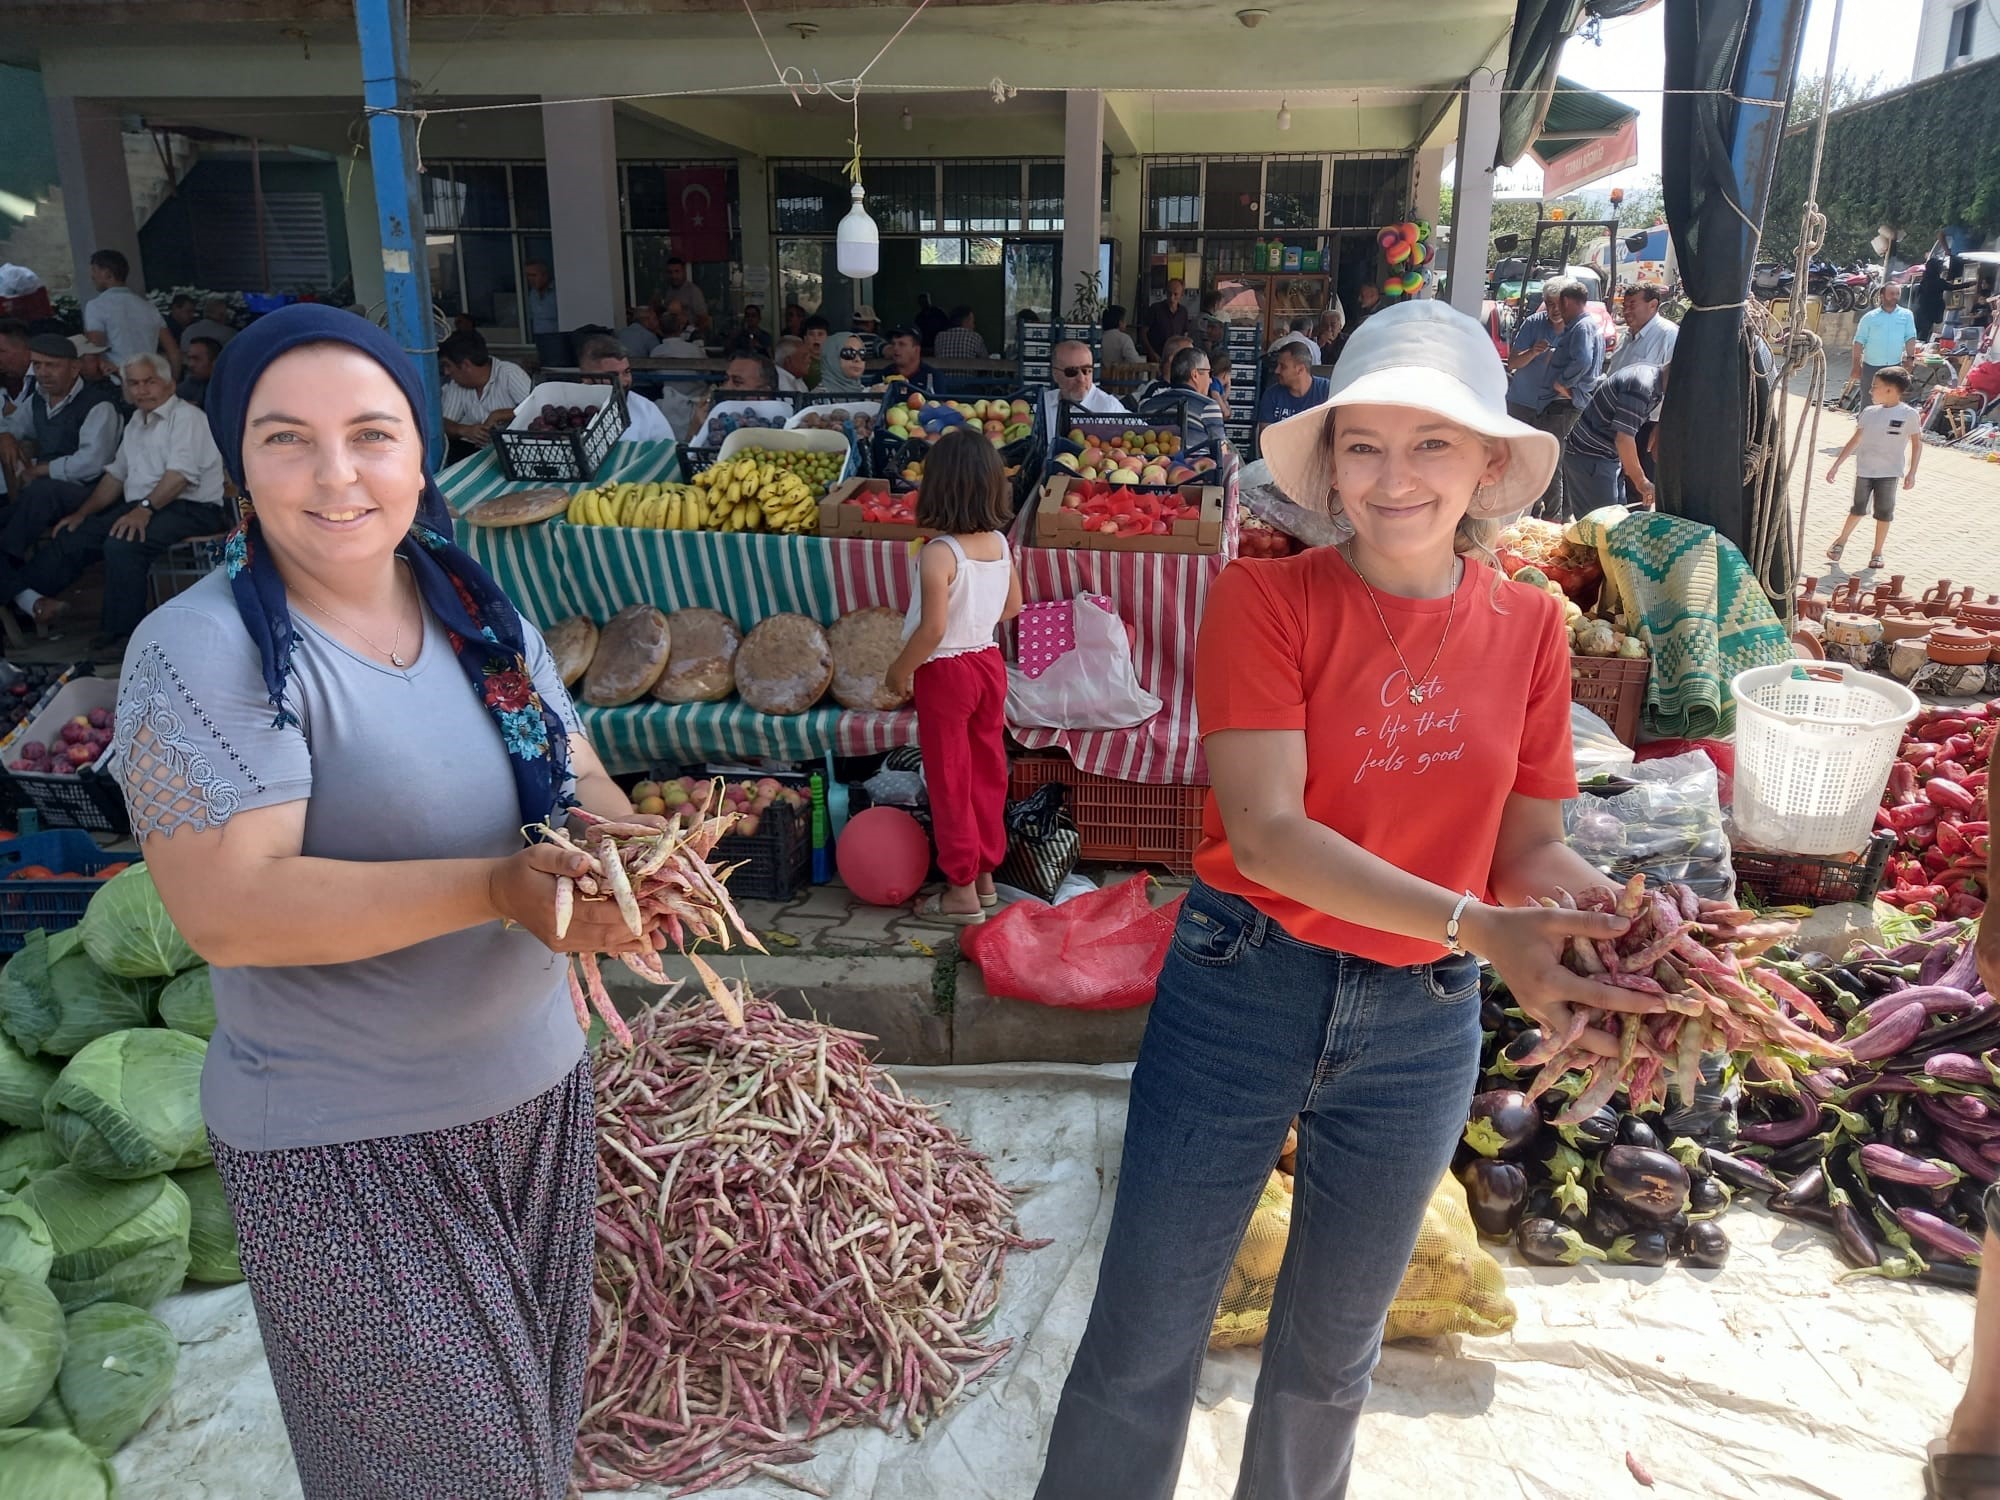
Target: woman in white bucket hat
1387,728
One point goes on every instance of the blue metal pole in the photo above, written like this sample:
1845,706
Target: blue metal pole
384,28
1768,58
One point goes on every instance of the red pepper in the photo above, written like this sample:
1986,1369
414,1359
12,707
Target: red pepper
1950,841
1951,770
1936,861
1912,815
1948,793
1916,752
1964,905
1902,782
1938,729
1958,746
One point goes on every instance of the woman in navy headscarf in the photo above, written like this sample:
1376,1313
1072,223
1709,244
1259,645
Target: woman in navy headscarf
330,747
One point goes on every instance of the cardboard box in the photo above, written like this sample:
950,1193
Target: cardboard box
1057,527
840,515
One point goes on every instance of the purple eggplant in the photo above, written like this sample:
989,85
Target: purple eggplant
1946,1112
1936,999
1633,1131
1707,1246
1643,1247
1891,1165
1890,1035
1741,1172
1593,1134
1547,1243
1496,1192
1707,1195
1783,1132
1502,1124
1957,1067
1650,1185
1934,1236
1606,1221
1967,1156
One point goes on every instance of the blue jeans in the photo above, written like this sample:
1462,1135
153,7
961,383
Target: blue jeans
1590,481
1249,1028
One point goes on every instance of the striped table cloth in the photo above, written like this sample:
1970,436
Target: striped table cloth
556,570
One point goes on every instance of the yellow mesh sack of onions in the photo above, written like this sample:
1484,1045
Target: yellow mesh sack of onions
786,1245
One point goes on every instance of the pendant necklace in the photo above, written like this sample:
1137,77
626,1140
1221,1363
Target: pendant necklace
395,649
1416,683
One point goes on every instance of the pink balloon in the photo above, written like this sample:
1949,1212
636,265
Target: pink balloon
883,856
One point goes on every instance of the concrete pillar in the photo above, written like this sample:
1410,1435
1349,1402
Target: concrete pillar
1427,199
97,195
1083,192
760,251
1128,228
364,236
1472,190
581,146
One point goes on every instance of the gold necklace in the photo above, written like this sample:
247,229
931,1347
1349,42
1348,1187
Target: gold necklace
1416,683
395,651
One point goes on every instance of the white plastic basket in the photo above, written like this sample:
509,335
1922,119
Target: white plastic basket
1814,744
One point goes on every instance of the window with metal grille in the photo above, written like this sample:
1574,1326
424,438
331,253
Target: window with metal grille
295,248
1235,194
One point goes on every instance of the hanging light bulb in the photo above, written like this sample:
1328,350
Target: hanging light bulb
909,120
857,247
1284,114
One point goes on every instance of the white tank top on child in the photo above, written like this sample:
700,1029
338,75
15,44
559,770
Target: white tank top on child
978,599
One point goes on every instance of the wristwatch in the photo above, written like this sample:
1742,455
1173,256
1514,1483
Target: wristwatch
147,503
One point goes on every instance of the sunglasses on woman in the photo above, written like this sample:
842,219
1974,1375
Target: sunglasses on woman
851,354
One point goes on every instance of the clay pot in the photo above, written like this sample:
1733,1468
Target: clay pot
1960,646
1904,627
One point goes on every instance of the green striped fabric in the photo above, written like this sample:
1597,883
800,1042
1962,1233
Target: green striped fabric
556,570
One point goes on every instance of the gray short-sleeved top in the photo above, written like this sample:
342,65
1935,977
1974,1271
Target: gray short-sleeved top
393,765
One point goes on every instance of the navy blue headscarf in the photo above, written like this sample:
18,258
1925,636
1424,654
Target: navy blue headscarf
485,630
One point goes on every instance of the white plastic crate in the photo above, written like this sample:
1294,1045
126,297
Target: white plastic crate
1814,745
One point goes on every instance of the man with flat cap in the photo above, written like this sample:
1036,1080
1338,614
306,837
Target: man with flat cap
55,445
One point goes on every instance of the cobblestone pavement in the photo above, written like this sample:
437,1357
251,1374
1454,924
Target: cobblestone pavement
1946,527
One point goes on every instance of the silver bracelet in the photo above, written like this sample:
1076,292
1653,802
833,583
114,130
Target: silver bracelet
1451,927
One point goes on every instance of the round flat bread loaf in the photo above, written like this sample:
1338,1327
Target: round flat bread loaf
519,508
701,668
785,665
572,643
864,645
631,654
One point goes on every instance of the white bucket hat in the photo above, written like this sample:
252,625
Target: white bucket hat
1432,357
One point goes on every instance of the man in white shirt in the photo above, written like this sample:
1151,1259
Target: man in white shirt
693,305
212,324
1649,338
542,314
124,322
1073,369
641,333
54,444
604,358
791,357
162,486
479,392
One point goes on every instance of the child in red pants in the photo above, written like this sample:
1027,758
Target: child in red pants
966,587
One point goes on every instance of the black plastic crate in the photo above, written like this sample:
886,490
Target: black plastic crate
47,903
562,457
88,798
1811,879
776,859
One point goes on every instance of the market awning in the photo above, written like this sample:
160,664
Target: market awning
1585,135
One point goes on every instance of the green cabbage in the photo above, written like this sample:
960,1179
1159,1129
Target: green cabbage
24,1239
54,999
25,1155
53,1465
127,931
212,1254
129,1105
186,1004
31,1351
24,1083
114,1241
117,1370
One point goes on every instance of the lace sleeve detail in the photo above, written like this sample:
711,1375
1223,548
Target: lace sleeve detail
179,766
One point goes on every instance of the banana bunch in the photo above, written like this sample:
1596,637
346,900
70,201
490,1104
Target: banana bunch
660,506
747,495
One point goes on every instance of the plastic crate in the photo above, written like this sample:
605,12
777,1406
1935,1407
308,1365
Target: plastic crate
1813,879
776,859
1120,822
1613,688
49,904
182,566
90,798
561,457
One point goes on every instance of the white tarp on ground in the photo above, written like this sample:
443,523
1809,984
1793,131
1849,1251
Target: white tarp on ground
1768,1380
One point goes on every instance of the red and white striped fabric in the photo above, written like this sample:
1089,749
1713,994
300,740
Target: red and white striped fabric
873,575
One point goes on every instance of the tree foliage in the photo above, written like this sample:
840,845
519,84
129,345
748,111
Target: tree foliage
1921,157
1848,90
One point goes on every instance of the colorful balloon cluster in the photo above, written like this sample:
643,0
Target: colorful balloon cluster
1407,247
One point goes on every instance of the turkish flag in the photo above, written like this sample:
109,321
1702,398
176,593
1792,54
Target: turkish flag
698,212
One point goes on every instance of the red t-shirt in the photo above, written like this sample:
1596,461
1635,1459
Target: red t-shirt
1294,644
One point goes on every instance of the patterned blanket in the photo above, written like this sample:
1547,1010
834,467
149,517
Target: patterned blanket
1705,615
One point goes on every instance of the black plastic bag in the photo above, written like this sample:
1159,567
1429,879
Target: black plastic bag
1042,842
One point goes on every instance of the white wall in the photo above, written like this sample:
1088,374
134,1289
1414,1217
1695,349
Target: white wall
1934,32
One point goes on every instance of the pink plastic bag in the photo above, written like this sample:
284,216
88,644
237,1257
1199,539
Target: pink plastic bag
1100,951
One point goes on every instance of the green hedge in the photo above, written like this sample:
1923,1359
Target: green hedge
1920,157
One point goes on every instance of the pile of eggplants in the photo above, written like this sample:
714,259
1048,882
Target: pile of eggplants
1892,1152
1614,1186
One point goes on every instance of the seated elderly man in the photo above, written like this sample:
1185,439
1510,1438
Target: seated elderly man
55,444
162,486
1073,373
792,359
603,357
1185,398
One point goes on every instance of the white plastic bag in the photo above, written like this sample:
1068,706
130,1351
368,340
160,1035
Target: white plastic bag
1091,686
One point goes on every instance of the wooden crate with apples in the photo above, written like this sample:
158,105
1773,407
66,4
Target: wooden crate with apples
869,509
1106,516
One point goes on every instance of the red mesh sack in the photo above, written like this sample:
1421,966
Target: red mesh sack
1099,951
